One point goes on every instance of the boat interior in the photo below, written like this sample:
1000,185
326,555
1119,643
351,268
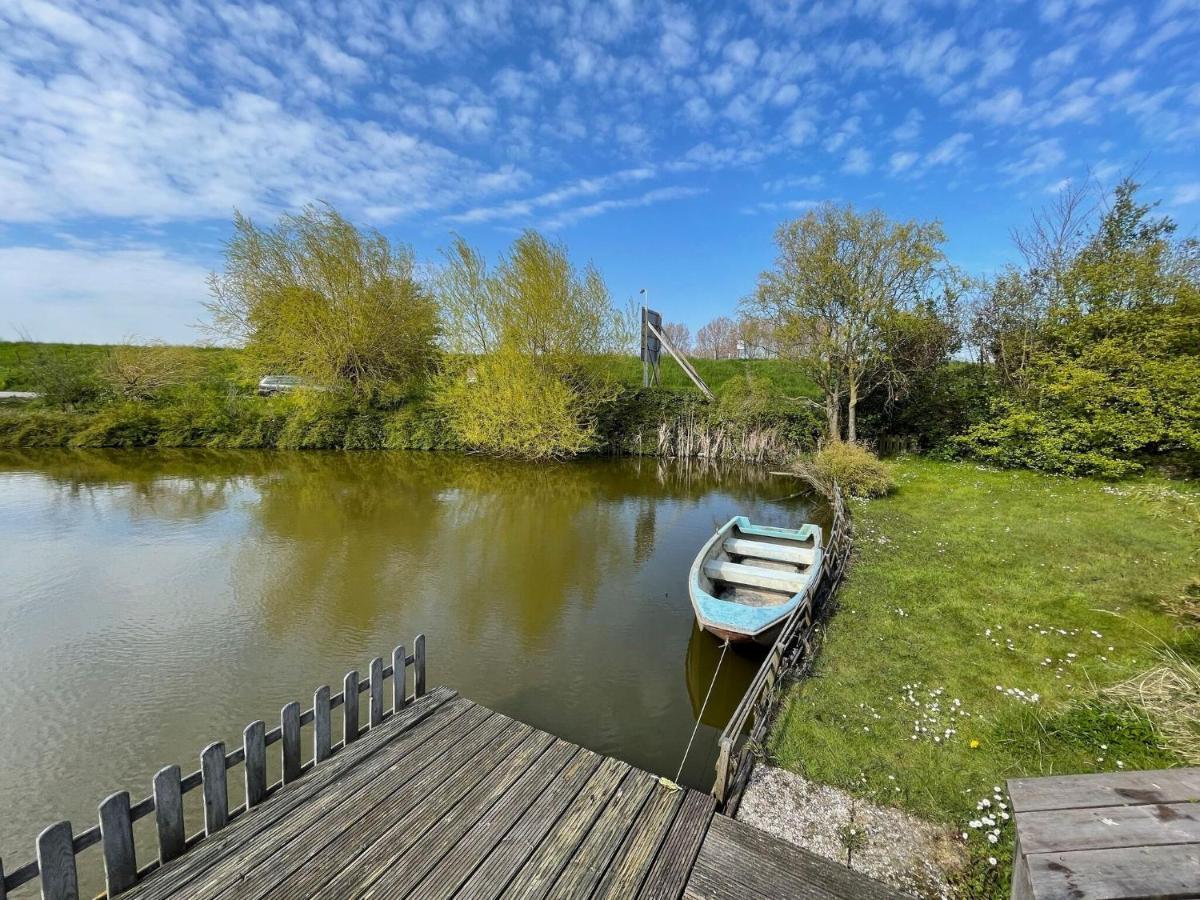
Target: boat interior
758,570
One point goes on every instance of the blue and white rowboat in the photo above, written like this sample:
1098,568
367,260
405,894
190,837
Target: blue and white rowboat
748,578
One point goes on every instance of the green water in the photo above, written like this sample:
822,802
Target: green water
153,602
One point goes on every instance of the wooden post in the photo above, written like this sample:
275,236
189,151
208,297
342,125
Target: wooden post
254,742
419,666
289,720
216,790
168,813
399,685
3,891
56,863
376,692
116,834
722,780
322,738
350,707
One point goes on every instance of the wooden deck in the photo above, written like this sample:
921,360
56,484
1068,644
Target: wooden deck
1119,834
449,799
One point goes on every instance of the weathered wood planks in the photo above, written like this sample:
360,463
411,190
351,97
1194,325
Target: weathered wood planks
738,861
1111,835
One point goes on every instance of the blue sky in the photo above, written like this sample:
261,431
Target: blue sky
664,141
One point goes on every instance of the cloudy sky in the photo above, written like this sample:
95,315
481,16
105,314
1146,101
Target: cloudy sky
664,141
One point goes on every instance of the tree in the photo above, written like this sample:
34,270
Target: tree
540,326
318,298
839,281
679,335
466,294
717,339
1006,323
1114,376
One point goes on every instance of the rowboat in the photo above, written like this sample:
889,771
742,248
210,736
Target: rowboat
748,578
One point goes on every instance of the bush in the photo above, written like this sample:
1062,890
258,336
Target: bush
122,425
859,471
508,404
65,380
750,400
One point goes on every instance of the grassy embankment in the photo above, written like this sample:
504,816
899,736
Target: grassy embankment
218,409
984,616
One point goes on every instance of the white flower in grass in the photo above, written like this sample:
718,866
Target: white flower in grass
992,838
991,860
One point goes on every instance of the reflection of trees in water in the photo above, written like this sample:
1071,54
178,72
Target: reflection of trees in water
170,486
500,545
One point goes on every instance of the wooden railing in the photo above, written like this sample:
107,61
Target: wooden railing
748,726
57,845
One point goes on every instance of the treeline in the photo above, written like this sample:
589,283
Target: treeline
1083,360
522,357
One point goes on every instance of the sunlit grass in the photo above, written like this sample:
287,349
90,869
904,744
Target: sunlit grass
983,611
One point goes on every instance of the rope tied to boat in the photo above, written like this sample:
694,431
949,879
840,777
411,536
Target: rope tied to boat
700,715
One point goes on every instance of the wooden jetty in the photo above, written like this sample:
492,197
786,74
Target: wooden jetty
428,796
1111,835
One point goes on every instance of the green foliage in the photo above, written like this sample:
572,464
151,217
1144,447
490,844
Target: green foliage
508,404
64,380
859,471
37,427
123,424
418,426
318,298
941,403
750,400
1114,377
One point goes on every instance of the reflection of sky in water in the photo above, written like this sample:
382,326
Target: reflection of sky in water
152,603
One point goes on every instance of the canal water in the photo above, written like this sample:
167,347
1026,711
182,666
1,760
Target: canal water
153,602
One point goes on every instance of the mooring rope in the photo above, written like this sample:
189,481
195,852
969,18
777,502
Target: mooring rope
703,706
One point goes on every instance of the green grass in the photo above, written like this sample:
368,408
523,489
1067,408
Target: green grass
18,357
967,581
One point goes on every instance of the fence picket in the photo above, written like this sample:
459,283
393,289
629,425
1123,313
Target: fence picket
116,835
56,862
376,692
254,743
216,788
289,721
350,708
168,813
322,735
399,689
419,666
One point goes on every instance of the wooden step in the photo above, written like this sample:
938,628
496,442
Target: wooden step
770,579
802,556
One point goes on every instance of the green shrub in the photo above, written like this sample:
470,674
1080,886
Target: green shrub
418,426
510,405
124,425
859,471
65,380
37,427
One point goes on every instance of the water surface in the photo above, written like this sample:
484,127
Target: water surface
153,602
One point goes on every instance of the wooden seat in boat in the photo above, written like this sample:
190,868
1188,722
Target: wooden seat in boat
802,556
769,579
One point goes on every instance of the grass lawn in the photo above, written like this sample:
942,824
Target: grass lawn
984,612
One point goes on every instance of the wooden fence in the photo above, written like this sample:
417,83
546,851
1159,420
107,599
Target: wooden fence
748,725
57,845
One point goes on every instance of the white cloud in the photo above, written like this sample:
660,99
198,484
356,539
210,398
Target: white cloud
902,161
910,127
88,295
1002,108
1119,30
524,208
1038,157
1186,194
659,195
857,161
742,53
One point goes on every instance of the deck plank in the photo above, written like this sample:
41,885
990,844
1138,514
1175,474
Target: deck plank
486,836
1170,871
373,854
1105,827
540,871
673,865
172,878
537,757
1107,789
596,776
627,872
367,811
588,864
739,861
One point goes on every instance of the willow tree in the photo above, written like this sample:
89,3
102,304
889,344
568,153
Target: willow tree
841,279
316,297
534,328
